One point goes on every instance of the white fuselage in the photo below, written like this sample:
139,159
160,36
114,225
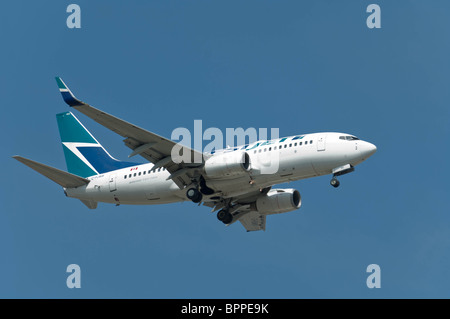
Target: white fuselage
272,162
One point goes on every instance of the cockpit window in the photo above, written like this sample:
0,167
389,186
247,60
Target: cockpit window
348,138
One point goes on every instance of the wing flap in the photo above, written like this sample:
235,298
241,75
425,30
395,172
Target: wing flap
60,177
253,221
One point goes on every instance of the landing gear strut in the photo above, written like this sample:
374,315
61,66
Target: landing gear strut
334,182
224,216
338,171
194,195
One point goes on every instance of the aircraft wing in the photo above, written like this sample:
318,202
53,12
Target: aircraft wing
253,221
241,209
151,146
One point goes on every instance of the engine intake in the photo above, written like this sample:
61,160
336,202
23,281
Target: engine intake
278,201
227,164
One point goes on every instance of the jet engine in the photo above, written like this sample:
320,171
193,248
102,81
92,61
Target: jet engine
227,164
278,201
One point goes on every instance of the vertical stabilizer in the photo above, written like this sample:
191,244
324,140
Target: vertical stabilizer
84,155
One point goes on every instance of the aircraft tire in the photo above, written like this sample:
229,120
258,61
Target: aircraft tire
224,216
194,195
334,182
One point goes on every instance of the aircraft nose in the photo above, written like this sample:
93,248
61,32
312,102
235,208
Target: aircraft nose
367,149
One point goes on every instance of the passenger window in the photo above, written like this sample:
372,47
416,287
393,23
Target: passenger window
129,176
295,144
301,143
134,175
125,177
270,149
259,151
290,145
254,152
149,171
139,174
265,149
143,173
159,169
310,142
285,145
275,148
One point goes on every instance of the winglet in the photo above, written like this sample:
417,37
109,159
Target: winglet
67,95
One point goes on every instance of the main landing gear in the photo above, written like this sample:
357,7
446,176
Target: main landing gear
194,195
224,216
200,188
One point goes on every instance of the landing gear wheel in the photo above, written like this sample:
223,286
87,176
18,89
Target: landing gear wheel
334,182
224,216
194,195
221,214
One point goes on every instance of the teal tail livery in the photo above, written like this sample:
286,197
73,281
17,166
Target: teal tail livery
84,155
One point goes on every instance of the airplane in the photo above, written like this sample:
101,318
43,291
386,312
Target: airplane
230,181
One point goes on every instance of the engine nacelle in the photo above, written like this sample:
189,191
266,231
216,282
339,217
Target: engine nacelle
227,164
278,201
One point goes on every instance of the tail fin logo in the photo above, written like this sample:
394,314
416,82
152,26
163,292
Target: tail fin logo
84,155
73,163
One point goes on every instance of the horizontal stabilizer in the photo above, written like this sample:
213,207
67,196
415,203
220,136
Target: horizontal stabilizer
60,177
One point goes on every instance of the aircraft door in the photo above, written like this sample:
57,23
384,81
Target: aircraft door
321,140
112,184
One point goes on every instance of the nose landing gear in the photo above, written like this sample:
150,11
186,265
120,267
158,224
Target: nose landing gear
338,171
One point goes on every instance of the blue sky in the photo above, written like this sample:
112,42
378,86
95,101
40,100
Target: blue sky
298,66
